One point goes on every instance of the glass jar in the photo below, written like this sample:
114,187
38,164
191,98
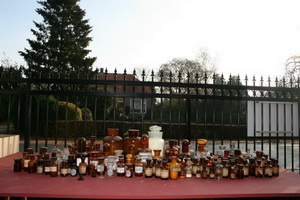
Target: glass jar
43,150
188,168
26,161
246,167
115,141
185,149
18,165
155,138
225,171
158,168
268,169
64,168
174,168
144,152
251,167
74,170
82,166
132,139
100,168
157,154
240,171
182,171
195,166
259,170
172,150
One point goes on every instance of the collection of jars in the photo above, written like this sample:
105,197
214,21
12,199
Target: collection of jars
135,158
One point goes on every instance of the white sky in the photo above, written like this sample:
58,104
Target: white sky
246,36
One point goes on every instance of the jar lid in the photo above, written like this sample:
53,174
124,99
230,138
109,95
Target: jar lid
155,128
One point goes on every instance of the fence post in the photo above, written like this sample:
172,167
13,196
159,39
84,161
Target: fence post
27,115
188,119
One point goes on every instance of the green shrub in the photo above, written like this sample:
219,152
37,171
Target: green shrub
73,112
86,114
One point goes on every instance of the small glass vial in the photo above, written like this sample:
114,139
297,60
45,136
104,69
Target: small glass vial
198,173
18,165
204,173
53,167
138,168
121,167
246,167
212,173
195,166
188,168
251,167
219,170
129,171
164,175
26,161
148,169
226,168
40,167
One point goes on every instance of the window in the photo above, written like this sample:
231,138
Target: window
137,106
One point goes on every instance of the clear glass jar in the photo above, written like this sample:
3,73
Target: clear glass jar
155,138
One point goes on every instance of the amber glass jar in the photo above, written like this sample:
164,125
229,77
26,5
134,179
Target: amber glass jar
148,169
138,168
64,168
164,174
26,160
172,150
18,165
185,149
47,165
134,139
31,164
145,144
275,168
121,167
201,144
114,140
40,166
129,171
158,168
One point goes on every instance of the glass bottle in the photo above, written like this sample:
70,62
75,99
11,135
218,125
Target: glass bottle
219,170
53,167
29,151
115,141
185,149
121,167
158,168
26,161
275,168
268,169
240,171
232,172
198,173
106,149
201,148
40,167
259,170
226,168
144,152
47,165
246,167
129,170
195,166
204,172
74,170
164,174
64,168
212,173
148,169
157,154
172,150
100,168
182,173
251,167
132,139
18,165
82,167
31,164
174,168
154,160
81,145
138,168
188,168
92,144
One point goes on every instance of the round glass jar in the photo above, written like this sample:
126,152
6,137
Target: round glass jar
115,141
155,138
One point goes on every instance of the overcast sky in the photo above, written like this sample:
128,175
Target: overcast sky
253,36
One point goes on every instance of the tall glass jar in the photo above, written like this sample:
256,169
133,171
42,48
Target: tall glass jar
185,149
132,139
155,138
114,140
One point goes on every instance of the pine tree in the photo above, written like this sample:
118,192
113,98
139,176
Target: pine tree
61,41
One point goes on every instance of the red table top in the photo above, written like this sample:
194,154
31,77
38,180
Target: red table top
23,184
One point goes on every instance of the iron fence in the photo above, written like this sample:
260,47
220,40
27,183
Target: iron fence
256,115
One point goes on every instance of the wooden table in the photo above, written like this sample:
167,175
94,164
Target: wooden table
23,184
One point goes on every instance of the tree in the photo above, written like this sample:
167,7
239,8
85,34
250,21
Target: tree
292,71
61,41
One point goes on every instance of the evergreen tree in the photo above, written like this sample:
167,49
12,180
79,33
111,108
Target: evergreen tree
61,41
